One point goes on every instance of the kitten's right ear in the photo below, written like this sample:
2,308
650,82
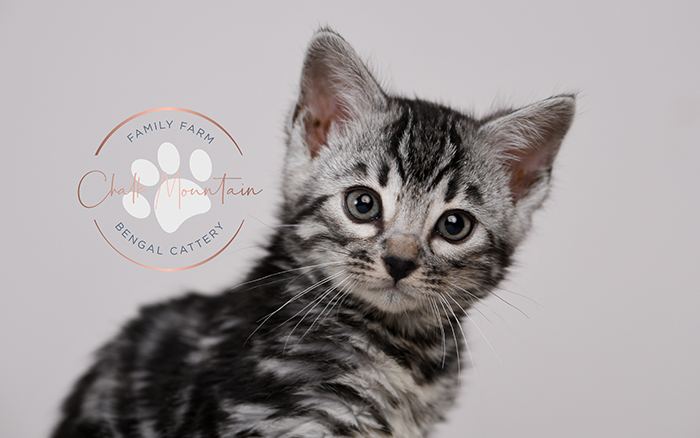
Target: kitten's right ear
336,88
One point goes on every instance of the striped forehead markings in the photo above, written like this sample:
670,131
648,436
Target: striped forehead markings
452,188
360,169
401,136
400,131
384,174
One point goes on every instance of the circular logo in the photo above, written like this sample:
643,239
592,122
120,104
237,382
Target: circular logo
167,191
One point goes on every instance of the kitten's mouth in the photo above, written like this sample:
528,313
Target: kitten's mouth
390,297
396,291
393,289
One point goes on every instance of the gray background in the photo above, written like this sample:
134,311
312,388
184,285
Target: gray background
605,341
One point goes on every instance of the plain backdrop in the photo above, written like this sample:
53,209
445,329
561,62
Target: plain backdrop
597,331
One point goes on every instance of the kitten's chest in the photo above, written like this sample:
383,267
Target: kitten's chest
356,382
409,405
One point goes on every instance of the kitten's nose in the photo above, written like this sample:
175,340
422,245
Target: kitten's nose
399,268
401,256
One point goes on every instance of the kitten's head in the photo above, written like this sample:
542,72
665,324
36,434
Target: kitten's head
407,205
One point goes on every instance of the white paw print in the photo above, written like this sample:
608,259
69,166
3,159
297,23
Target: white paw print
171,208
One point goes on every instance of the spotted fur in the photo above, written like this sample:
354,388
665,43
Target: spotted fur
347,328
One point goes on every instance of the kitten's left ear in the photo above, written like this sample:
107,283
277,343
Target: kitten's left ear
336,88
527,140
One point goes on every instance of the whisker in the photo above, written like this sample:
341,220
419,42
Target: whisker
454,335
294,298
442,330
312,305
343,293
498,326
237,250
339,304
532,300
344,297
337,286
509,304
316,301
286,271
336,250
499,297
329,278
263,223
477,327
483,303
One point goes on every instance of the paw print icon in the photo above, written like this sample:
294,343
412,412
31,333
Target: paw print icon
176,199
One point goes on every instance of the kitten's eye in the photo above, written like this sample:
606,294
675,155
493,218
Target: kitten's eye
362,204
455,225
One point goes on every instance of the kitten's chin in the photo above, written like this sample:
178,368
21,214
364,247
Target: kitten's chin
392,298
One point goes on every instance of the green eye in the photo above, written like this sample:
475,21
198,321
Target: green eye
362,204
455,225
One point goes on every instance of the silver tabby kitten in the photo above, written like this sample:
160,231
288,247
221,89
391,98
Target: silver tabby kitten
398,215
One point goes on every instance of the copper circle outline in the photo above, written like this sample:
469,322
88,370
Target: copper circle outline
153,110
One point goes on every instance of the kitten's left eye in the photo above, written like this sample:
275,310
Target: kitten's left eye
455,225
362,204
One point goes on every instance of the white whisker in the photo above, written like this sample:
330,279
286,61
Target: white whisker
509,304
337,286
532,300
294,298
477,327
312,305
464,335
454,334
442,330
286,271
483,303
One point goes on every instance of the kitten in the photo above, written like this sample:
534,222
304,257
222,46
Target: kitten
398,215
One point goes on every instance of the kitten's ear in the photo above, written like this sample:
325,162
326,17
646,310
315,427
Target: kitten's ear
527,140
336,88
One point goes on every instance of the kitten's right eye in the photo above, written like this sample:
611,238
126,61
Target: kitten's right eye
362,204
455,225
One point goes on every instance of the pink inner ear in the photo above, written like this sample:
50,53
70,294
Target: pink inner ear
316,133
324,110
526,167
